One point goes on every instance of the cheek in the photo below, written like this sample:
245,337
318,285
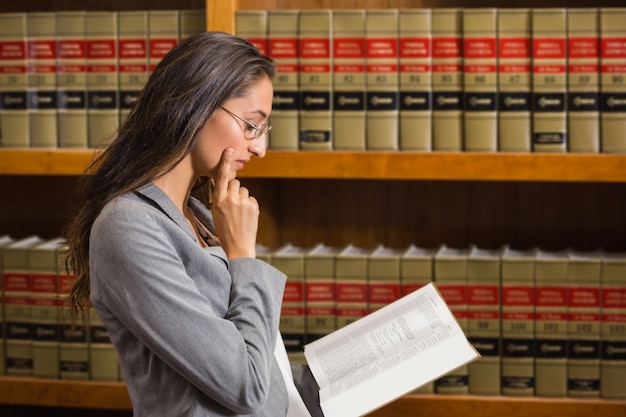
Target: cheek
214,138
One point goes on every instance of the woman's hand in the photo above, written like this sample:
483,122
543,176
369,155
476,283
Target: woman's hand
235,212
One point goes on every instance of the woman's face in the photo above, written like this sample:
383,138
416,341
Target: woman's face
225,130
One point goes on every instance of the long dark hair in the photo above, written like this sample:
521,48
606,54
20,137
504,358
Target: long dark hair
185,88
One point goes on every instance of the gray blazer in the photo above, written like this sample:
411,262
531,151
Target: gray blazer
194,332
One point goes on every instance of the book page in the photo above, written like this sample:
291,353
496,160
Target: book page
387,354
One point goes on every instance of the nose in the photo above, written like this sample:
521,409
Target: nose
258,146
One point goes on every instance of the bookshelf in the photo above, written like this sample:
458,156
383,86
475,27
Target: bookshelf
548,199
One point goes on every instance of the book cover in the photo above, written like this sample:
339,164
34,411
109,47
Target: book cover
73,348
549,91
613,326
383,277
102,78
282,32
163,34
13,81
252,26
483,322
351,284
4,241
514,80
290,260
319,277
71,79
192,21
381,80
447,79
415,55
42,79
583,80
518,322
551,310
416,270
480,80
349,80
103,362
613,79
392,351
315,79
43,267
583,330
132,47
451,278
18,343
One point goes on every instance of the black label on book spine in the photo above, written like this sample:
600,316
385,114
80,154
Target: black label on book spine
349,101
511,102
614,350
382,100
583,102
549,138
44,100
448,100
415,100
486,346
103,100
17,330
13,100
584,349
551,348
73,334
518,348
285,100
71,100
314,136
549,102
315,100
476,102
128,99
614,102
518,382
45,332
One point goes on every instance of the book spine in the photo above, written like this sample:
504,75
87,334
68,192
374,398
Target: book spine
348,80
283,49
583,80
102,78
447,73
133,58
163,34
381,80
351,286
315,79
103,361
252,26
613,79
73,348
518,328
44,310
42,82
583,361
483,324
514,80
451,280
551,301
320,297
383,281
13,81
613,328
549,80
415,46
192,21
480,80
71,80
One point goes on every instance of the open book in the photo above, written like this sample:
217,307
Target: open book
390,352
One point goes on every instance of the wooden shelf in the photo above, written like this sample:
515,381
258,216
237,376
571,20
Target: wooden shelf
460,166
113,396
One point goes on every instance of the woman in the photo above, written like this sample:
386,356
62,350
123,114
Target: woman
191,312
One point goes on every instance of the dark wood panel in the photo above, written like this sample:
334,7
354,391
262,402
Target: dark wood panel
583,216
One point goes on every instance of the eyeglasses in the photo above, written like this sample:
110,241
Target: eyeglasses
253,131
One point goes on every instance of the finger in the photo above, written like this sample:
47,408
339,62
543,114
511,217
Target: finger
223,174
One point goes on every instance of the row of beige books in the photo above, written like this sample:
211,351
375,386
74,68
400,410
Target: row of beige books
445,79
69,78
546,323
